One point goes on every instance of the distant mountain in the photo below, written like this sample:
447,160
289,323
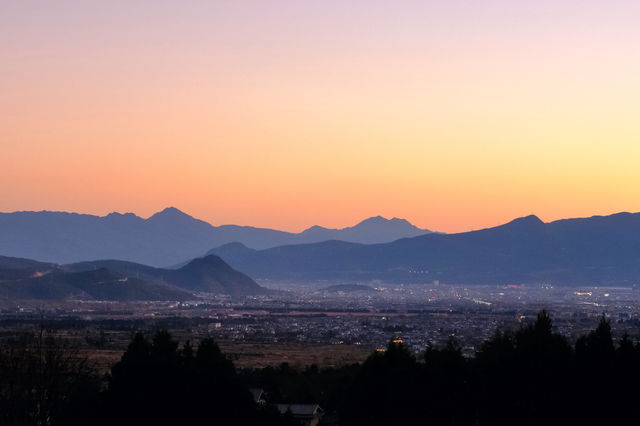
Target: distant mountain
166,238
349,288
369,231
591,251
208,274
120,280
213,275
17,263
13,268
99,284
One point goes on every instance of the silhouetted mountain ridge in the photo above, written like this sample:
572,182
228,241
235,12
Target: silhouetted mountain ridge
373,230
601,250
166,238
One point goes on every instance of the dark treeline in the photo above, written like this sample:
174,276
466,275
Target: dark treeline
42,382
531,376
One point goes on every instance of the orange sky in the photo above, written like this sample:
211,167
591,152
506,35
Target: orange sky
455,117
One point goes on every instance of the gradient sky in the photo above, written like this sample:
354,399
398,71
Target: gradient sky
456,115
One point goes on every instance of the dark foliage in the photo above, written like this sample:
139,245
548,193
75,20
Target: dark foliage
158,383
531,376
43,382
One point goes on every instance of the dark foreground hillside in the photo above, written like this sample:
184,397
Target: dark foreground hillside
532,376
22,279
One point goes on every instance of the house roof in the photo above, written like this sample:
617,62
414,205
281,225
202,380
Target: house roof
300,410
257,394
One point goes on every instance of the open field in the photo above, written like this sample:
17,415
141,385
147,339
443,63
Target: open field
256,355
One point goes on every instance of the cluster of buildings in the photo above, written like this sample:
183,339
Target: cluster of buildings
365,315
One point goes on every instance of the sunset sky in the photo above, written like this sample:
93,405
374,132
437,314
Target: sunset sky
455,115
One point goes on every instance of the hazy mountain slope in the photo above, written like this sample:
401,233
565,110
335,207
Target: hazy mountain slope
349,288
595,251
205,274
13,268
166,238
99,284
326,260
69,237
122,281
369,231
212,274
130,269
22,263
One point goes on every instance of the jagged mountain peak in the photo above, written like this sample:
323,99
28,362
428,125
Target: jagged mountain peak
169,237
205,262
530,220
315,228
584,251
381,220
170,212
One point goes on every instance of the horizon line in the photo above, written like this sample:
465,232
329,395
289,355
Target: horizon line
314,225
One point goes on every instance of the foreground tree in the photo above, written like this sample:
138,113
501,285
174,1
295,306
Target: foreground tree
158,383
45,382
386,389
528,376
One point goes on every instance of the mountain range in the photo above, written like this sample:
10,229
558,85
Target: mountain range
601,250
167,238
120,280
